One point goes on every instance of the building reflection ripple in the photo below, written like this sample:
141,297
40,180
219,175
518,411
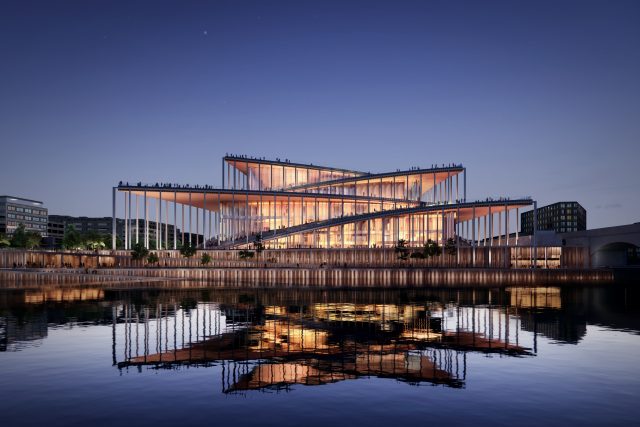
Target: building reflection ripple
274,339
273,344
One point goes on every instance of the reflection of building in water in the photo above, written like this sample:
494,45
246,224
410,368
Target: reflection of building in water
305,327
437,366
555,325
276,346
541,311
63,295
17,333
26,315
548,297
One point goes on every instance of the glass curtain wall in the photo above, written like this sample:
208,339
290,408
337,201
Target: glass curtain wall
416,230
251,175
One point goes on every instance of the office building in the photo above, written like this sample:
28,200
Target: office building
103,226
561,217
16,210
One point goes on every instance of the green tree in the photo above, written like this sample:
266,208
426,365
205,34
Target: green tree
22,238
19,237
401,250
187,250
152,258
258,246
4,241
33,240
205,259
138,251
71,239
93,240
106,239
450,247
432,249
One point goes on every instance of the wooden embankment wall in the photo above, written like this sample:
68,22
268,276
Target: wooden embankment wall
369,277
17,278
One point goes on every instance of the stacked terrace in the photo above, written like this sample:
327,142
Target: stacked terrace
295,205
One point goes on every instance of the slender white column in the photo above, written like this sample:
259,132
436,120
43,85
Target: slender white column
175,219
465,184
473,237
158,213
129,223
246,215
427,227
159,221
444,227
233,216
484,230
506,225
490,227
113,219
197,225
459,226
458,187
499,228
166,224
437,238
204,223
190,216
535,232
146,220
434,187
137,218
490,236
182,226
126,220
517,224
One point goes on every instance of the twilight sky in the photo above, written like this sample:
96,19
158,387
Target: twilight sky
536,98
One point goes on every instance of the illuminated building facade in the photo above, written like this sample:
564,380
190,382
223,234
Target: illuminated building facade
289,205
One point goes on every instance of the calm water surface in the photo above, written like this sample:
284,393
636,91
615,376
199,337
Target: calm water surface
160,356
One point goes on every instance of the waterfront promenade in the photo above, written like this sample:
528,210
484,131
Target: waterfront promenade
39,267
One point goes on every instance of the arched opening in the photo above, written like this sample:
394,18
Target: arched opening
617,254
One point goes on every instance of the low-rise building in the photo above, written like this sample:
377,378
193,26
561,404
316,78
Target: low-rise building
103,226
17,210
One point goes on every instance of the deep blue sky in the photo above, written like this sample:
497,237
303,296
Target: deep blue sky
535,98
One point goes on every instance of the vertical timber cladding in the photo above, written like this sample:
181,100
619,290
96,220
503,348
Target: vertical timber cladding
501,257
359,277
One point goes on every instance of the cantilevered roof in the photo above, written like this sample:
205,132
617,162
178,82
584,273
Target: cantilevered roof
215,195
440,173
240,163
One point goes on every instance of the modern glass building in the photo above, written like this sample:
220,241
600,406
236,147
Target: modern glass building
294,205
